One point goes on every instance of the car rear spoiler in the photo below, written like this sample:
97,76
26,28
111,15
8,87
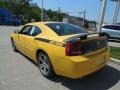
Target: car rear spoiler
84,36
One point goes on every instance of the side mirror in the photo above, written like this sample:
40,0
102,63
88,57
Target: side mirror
16,31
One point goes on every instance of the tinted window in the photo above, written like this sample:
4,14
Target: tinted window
117,28
35,31
107,27
113,27
65,29
26,30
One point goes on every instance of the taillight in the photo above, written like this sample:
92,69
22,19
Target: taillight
74,48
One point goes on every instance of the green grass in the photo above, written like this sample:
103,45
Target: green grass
115,52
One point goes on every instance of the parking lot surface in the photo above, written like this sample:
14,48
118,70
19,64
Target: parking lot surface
18,72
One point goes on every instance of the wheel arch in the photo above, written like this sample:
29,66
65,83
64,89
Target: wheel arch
16,24
38,51
41,50
107,34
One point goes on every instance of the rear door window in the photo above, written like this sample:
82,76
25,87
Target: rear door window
117,28
35,31
26,30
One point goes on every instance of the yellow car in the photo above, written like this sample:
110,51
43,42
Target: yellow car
61,48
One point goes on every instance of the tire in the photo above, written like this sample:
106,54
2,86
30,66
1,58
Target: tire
45,65
16,24
13,46
107,36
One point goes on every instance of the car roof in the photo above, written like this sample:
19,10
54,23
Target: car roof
46,22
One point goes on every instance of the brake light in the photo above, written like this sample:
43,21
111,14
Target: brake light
73,49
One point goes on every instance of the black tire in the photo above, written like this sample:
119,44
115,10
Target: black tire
13,46
16,24
45,65
107,36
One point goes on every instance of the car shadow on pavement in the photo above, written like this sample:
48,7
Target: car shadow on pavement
100,80
30,60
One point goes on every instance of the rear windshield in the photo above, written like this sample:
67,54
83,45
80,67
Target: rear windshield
65,29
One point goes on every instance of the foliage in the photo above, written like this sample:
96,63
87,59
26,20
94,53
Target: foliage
27,10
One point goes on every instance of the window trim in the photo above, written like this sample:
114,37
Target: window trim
24,28
38,28
30,30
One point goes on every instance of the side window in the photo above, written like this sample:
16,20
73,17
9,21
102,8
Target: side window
35,31
117,28
107,27
26,30
113,27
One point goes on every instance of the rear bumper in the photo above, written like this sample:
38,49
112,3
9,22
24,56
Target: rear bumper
79,66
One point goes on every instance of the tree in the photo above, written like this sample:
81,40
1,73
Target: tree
35,12
27,10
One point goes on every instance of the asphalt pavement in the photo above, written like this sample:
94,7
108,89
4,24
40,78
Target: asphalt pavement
19,73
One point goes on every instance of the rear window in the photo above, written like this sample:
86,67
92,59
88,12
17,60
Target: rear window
65,29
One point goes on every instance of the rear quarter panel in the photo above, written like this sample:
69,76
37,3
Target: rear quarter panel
55,53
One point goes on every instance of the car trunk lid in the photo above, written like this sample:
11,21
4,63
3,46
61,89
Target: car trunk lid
86,43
